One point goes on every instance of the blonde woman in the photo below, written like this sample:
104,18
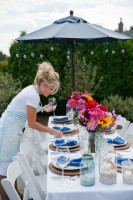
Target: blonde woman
24,107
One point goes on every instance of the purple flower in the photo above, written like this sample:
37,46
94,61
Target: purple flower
92,125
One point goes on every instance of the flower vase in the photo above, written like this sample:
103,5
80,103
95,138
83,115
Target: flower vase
99,141
75,118
91,142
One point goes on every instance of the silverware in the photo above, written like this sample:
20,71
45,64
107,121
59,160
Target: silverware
57,178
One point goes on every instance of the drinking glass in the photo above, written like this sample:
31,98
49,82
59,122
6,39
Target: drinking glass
52,101
62,160
69,112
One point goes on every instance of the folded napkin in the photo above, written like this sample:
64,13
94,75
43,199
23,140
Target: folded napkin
62,159
60,119
109,128
119,160
65,142
116,140
63,129
75,162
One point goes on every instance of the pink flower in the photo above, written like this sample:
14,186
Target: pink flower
92,125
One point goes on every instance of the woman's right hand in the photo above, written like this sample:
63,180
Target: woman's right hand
58,134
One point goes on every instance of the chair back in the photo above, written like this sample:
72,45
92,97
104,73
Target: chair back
32,157
129,131
36,138
14,171
124,124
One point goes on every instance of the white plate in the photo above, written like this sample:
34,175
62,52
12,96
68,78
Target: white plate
130,157
71,129
67,146
69,167
117,145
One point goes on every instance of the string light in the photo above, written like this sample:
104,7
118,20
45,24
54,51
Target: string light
68,53
52,48
41,56
17,55
32,55
113,52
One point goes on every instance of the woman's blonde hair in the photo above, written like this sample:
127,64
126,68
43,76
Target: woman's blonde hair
47,74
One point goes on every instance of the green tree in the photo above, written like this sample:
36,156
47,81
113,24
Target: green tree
9,87
3,56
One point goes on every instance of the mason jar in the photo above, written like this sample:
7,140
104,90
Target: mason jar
127,170
108,166
87,170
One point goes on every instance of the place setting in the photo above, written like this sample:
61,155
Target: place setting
67,131
61,120
72,144
111,131
120,159
118,142
64,163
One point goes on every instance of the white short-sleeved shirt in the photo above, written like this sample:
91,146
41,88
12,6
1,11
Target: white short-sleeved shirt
28,96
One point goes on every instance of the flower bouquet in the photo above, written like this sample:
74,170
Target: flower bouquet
94,116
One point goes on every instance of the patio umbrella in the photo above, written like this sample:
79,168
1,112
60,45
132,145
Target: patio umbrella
72,30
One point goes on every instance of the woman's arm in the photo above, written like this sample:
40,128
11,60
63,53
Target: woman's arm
32,123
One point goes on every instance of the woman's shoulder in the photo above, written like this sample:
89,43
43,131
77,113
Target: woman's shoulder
29,88
28,91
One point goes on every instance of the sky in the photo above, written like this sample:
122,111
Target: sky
31,15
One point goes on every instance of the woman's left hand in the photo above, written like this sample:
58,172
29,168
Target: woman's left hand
48,108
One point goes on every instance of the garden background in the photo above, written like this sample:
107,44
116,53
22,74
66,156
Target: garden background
106,70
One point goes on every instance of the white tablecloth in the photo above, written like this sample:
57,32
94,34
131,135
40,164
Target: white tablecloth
75,191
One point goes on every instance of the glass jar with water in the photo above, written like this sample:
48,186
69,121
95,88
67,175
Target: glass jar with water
87,170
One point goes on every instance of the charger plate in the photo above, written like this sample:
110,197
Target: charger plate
65,122
110,132
66,172
71,149
71,133
119,169
126,146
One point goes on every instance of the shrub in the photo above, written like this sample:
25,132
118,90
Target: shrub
122,106
8,89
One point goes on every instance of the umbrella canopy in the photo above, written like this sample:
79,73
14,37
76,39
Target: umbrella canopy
72,30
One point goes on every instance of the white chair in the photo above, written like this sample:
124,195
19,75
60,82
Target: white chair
14,171
124,129
40,144
31,162
129,134
124,125
39,140
32,157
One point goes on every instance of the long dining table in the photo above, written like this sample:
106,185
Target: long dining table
74,190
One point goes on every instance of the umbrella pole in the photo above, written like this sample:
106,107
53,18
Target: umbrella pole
73,66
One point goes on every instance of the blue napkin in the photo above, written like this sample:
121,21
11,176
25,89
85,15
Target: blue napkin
60,119
62,159
63,129
119,160
116,140
75,162
65,143
109,128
